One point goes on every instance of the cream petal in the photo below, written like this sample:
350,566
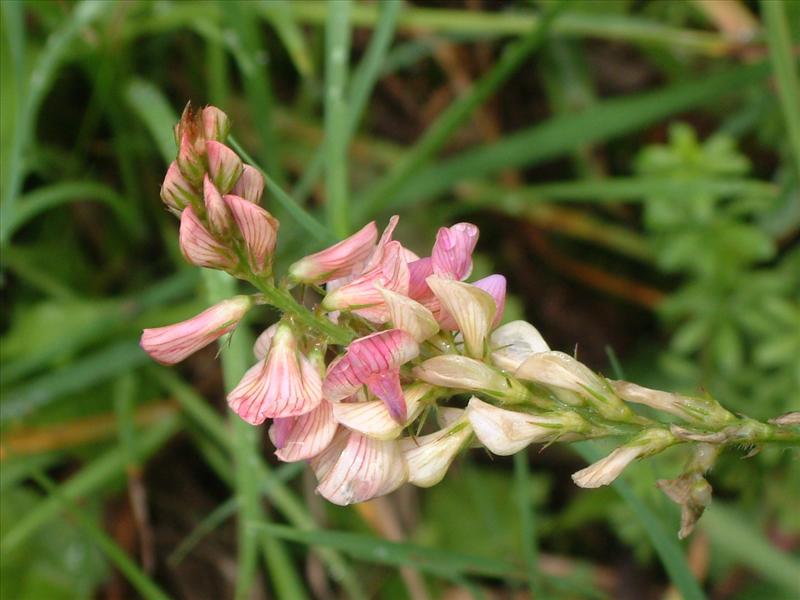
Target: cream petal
461,372
471,308
429,456
560,370
373,419
514,342
409,315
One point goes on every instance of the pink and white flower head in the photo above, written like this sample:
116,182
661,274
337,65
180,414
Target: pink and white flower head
373,361
452,252
250,185
199,247
284,384
305,436
171,344
258,230
362,296
356,468
340,260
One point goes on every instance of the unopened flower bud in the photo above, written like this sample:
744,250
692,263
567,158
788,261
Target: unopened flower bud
250,185
429,456
506,432
216,124
464,373
340,260
176,192
200,248
704,411
606,470
224,166
191,162
452,253
513,343
171,344
220,221
258,230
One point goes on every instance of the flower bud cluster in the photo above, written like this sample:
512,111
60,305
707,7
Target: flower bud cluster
413,340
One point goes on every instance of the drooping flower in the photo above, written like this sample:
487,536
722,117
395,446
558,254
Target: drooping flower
429,456
284,384
506,432
199,247
171,344
451,257
373,361
606,470
250,185
361,296
356,468
513,343
373,419
340,260
304,436
471,308
259,231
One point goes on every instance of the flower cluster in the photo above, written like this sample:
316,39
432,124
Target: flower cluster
399,364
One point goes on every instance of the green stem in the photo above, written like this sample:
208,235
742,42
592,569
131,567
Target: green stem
285,302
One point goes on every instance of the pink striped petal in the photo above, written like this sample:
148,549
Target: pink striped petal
386,386
362,469
418,272
171,344
285,384
452,252
386,237
264,341
409,315
375,354
224,166
303,437
495,285
220,222
176,192
259,231
362,297
340,260
216,124
250,185
199,247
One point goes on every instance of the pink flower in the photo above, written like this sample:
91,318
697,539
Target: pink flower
373,361
176,192
418,271
199,247
356,468
216,124
495,285
452,252
340,260
250,185
303,437
361,295
171,344
285,384
259,231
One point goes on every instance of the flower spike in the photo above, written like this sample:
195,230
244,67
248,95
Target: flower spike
285,384
373,361
171,344
339,260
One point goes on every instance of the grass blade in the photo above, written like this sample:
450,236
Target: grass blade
95,476
564,134
135,576
337,55
522,484
155,111
376,197
784,65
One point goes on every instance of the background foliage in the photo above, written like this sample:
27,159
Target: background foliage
634,169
